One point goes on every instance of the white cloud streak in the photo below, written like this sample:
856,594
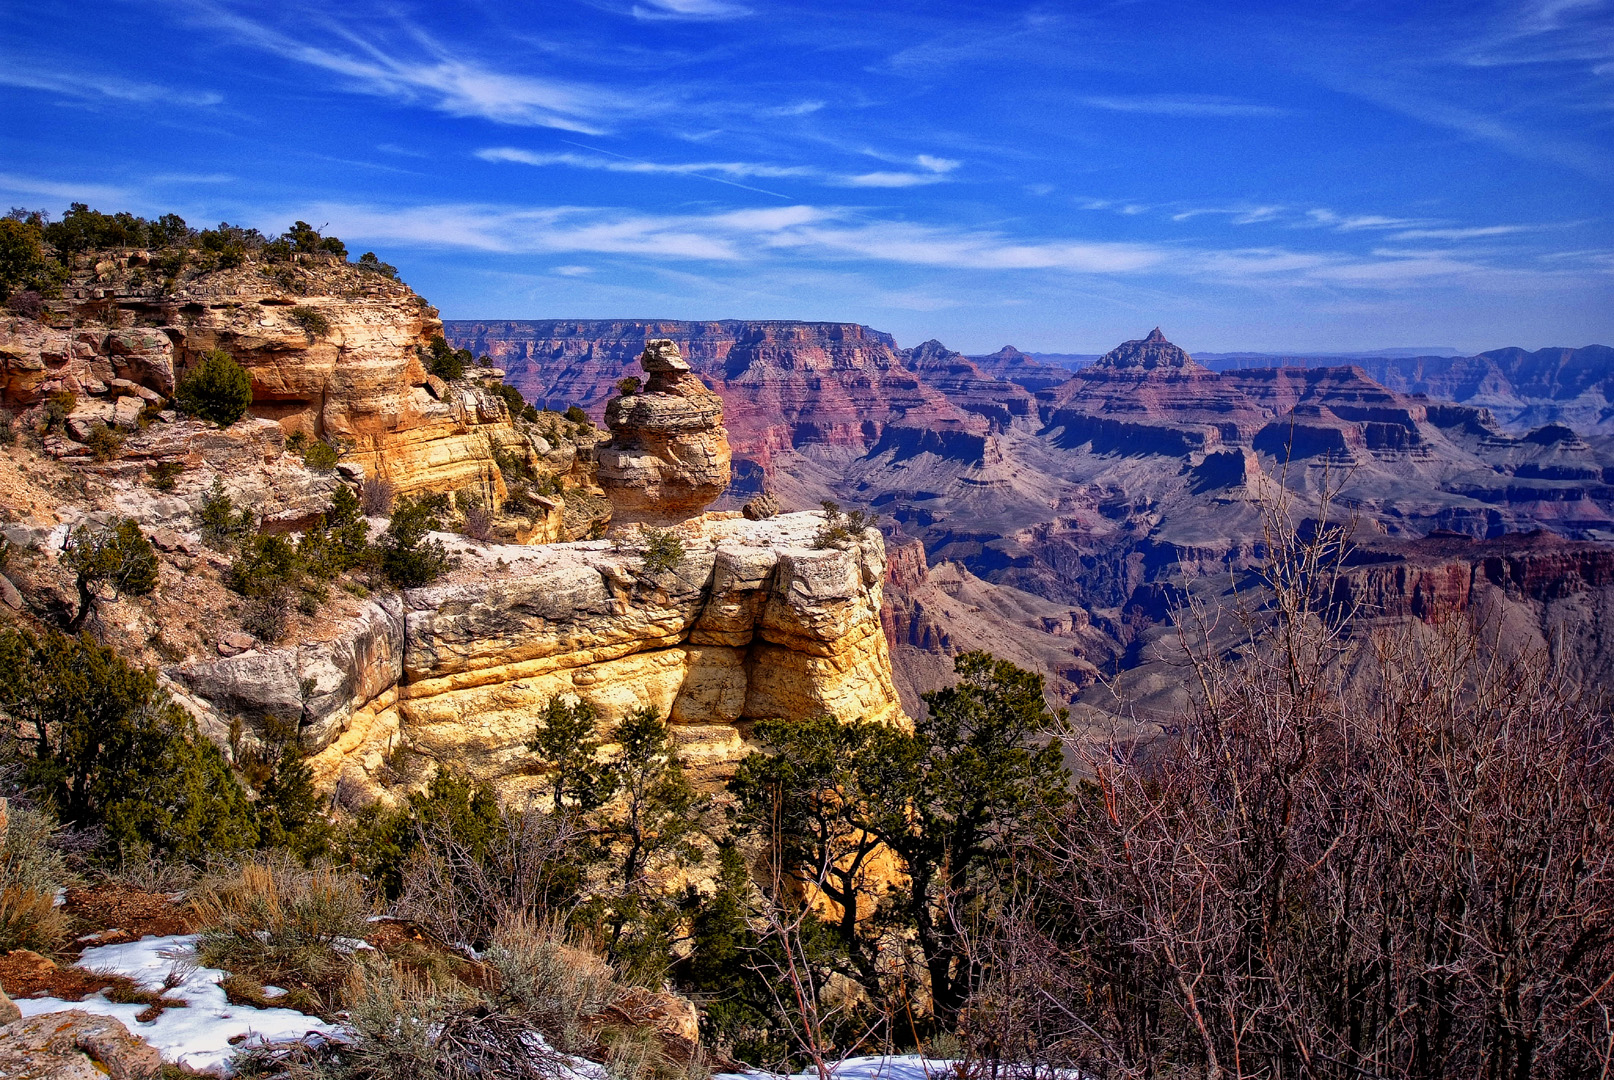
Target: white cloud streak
74,82
432,75
608,162
13,184
796,234
689,9
1183,105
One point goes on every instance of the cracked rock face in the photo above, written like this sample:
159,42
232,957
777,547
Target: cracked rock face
754,622
669,454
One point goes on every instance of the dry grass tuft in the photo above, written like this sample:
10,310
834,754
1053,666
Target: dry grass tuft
279,923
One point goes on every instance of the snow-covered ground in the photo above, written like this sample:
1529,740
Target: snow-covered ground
893,1067
199,1035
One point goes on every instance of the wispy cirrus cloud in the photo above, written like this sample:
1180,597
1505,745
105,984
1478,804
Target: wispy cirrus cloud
738,236
72,81
415,68
934,170
689,9
1477,232
1358,222
804,234
1185,105
15,184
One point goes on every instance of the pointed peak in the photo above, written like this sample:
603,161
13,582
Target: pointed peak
1147,354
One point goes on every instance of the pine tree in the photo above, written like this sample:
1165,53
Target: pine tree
989,775
119,558
111,750
656,816
820,793
216,389
565,739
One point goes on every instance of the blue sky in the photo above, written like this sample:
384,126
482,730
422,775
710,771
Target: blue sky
1056,176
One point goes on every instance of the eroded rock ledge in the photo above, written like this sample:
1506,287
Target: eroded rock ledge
754,623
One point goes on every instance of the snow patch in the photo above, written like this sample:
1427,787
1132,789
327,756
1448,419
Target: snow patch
880,1067
197,1036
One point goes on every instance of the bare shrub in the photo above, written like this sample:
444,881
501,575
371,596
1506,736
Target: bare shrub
1407,872
549,978
31,870
29,859
265,617
461,893
29,919
378,496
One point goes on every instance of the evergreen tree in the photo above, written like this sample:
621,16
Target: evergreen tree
119,558
111,750
23,262
453,806
349,531
220,523
288,805
216,388
656,814
565,739
408,557
819,793
989,773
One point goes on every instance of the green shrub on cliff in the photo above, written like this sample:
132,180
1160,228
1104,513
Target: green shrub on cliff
221,524
23,262
111,751
446,362
369,261
216,388
408,557
119,558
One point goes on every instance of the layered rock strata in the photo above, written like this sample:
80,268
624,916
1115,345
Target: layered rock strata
754,623
786,386
332,350
668,457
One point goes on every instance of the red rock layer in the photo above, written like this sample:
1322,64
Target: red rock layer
784,384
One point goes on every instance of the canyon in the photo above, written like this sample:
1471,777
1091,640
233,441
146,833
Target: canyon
1059,520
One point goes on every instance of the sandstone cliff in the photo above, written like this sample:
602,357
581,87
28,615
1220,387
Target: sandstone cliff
333,351
755,622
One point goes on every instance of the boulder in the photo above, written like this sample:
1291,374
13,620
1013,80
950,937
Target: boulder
761,508
126,412
74,1045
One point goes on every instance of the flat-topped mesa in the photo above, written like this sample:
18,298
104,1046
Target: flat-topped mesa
1147,354
668,457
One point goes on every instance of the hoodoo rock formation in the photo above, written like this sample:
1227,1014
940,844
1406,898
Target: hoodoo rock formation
755,622
668,457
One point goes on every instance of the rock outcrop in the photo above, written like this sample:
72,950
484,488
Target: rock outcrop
74,1045
754,622
668,457
333,351
786,386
